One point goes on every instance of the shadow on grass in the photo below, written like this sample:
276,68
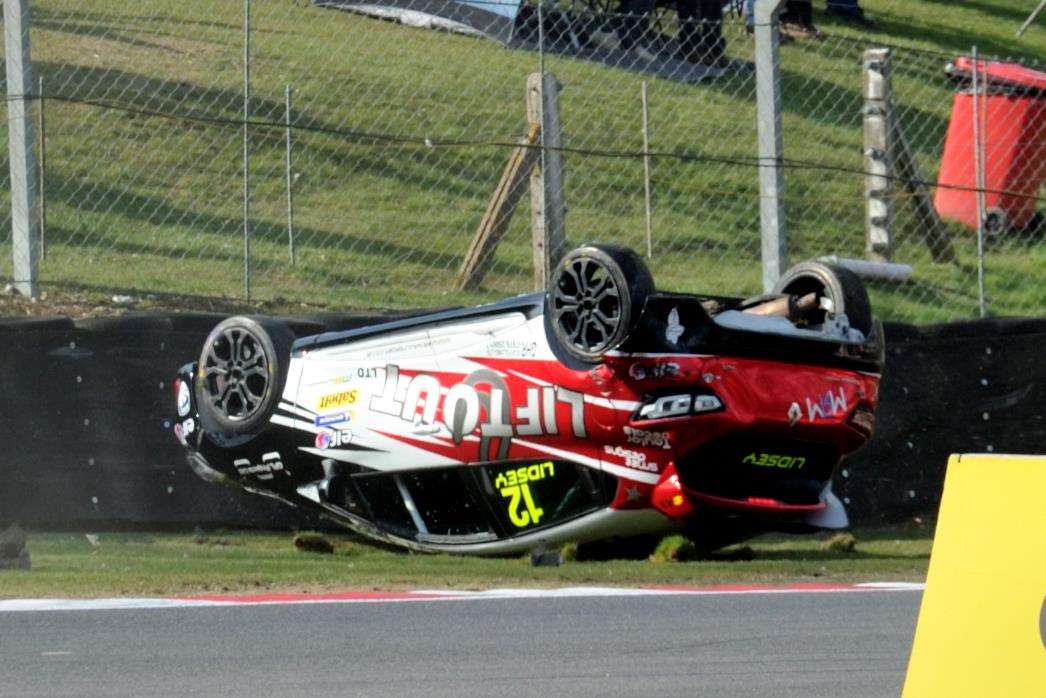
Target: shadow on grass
824,555
102,24
110,199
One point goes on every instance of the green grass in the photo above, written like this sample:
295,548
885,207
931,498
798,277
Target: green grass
68,565
144,203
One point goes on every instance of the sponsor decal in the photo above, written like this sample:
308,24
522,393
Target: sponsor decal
795,413
325,420
645,371
418,400
633,459
343,398
514,485
641,437
183,398
270,464
826,405
385,352
674,330
333,438
183,430
512,348
774,460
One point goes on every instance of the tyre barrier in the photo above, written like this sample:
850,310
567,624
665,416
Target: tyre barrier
87,413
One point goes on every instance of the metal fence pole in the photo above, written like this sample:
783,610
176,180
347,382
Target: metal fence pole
768,104
246,149
646,173
290,191
42,139
21,153
978,165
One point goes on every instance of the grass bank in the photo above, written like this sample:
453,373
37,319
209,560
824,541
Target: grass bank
141,202
152,564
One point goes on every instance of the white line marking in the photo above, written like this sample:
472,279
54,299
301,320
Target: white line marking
230,600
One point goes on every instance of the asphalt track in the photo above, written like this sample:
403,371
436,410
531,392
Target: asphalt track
759,644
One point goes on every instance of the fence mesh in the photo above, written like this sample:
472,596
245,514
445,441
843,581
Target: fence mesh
400,132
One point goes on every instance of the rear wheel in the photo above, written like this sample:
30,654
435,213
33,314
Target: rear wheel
241,374
838,291
595,298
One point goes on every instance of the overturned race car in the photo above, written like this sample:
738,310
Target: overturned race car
600,409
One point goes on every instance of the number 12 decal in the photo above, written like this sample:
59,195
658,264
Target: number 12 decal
513,485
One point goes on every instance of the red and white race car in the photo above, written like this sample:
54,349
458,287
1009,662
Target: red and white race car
599,409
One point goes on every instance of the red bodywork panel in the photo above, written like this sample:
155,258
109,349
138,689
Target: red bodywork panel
590,417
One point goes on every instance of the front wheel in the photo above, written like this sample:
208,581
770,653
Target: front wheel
241,374
595,298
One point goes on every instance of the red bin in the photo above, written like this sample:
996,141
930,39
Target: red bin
1013,130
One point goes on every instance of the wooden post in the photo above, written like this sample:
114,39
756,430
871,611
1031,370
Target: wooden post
499,212
547,202
889,158
920,196
878,155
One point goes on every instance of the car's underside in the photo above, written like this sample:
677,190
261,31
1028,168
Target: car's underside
550,417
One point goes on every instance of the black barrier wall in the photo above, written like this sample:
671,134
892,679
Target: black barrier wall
85,421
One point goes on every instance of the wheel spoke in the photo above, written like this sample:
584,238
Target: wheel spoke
257,396
223,398
602,327
215,371
583,326
245,398
577,331
249,348
234,336
578,286
583,275
212,355
597,289
608,321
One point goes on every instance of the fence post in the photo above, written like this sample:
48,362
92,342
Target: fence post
287,173
878,154
979,99
42,139
25,248
547,203
768,105
646,173
246,150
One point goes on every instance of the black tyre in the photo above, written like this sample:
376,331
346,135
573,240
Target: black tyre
595,298
241,374
844,291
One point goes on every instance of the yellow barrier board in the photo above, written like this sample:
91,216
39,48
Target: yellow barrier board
981,625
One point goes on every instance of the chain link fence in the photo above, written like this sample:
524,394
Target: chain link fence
347,154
